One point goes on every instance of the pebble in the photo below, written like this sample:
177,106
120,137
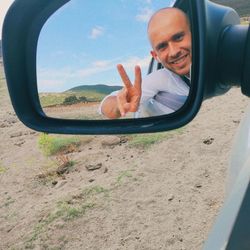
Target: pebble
60,184
93,167
198,185
111,141
170,197
16,134
11,120
208,141
4,125
54,183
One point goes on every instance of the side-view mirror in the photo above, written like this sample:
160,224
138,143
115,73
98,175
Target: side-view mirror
215,31
220,59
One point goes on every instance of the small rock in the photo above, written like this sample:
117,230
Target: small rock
11,120
19,144
9,228
111,141
16,134
198,185
208,141
4,125
41,176
206,174
62,170
105,170
94,167
60,184
170,197
123,139
54,183
91,180
236,121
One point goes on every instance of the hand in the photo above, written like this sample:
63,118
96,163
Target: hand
128,99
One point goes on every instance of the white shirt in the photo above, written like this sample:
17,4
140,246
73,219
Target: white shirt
162,80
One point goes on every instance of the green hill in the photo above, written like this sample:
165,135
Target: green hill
241,6
99,88
84,93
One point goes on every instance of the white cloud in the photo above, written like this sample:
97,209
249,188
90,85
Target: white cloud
131,62
53,80
144,15
96,32
4,6
56,80
101,63
48,86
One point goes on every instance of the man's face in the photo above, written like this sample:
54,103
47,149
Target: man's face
170,38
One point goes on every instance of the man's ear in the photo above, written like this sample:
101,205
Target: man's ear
154,55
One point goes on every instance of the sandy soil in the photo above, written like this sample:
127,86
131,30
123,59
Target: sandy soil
116,196
83,111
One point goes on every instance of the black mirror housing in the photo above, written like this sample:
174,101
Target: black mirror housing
20,37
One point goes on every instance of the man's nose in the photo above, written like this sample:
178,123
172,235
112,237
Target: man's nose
174,50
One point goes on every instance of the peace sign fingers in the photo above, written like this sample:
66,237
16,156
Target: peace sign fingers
129,98
124,76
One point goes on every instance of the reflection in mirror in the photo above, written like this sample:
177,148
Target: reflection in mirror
95,62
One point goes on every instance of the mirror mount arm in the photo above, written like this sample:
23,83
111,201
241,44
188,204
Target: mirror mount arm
233,59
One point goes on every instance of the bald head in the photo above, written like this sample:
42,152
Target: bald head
170,37
164,14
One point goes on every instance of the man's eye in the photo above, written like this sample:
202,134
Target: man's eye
178,37
161,46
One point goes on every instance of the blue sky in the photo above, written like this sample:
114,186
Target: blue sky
82,43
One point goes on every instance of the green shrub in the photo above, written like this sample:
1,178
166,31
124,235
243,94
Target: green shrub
2,170
72,99
82,99
146,140
52,145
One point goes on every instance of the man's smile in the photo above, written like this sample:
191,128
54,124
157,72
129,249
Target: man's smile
179,60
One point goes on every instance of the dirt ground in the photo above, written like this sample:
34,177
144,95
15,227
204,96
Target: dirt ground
116,196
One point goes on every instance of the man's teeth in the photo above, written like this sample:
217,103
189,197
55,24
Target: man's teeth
180,60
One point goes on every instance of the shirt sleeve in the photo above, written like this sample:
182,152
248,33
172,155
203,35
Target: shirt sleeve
100,106
160,80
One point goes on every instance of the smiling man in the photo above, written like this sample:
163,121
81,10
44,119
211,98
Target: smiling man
163,91
170,37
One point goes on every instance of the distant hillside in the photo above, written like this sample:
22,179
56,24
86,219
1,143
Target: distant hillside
99,88
241,6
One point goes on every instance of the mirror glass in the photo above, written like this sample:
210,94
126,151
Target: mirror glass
81,45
